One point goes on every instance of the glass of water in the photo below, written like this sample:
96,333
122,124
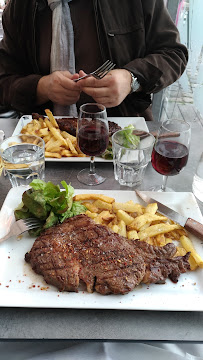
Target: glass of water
130,161
23,158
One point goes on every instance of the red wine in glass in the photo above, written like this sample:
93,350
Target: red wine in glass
171,149
93,139
169,157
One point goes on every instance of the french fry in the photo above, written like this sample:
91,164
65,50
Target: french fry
192,262
154,230
52,144
129,206
123,215
71,146
141,220
58,136
43,132
145,226
52,155
83,197
115,228
132,235
169,241
91,207
102,205
90,214
66,153
103,216
122,228
51,118
160,240
69,136
79,155
151,208
180,251
188,246
46,138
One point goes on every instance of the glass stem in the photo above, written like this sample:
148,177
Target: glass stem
163,186
92,165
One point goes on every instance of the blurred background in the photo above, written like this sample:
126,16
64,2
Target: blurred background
184,99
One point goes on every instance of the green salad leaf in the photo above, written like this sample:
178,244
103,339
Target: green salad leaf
129,140
47,202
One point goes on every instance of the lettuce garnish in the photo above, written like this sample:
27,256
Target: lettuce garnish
130,140
45,201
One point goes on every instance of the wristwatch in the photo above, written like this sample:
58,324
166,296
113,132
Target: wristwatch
134,83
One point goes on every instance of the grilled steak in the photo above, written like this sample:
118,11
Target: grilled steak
70,125
78,250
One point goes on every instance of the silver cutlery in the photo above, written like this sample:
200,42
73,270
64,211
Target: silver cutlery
100,72
189,224
21,226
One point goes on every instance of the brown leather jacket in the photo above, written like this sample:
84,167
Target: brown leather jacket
138,35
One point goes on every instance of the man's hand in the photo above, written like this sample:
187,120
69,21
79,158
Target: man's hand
59,88
109,91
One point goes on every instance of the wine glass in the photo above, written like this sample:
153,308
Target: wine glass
171,150
93,139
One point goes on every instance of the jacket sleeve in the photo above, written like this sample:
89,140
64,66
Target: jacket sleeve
166,58
17,82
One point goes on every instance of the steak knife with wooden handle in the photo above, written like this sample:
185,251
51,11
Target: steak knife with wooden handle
191,225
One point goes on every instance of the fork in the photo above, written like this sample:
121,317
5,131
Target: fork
100,72
21,226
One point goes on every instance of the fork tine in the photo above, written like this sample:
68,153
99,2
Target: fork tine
21,226
32,222
106,70
101,67
98,73
104,67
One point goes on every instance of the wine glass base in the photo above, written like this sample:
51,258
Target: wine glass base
159,189
85,177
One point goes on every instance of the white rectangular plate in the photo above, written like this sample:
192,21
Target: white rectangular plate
138,122
21,287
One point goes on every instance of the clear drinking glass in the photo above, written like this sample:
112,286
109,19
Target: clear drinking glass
171,150
130,163
23,158
93,139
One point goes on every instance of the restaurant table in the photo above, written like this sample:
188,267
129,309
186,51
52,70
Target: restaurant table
105,325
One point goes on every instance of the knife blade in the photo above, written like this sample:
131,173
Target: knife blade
189,224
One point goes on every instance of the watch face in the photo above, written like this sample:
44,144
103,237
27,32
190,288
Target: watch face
135,84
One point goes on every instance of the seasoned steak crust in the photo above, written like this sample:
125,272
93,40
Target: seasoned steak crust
78,250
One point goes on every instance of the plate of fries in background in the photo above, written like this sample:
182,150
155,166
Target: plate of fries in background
21,287
60,145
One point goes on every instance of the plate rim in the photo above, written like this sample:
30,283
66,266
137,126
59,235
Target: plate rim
101,302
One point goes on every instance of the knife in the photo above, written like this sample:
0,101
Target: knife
189,224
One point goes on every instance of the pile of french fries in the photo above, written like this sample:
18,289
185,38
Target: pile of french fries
136,222
58,143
